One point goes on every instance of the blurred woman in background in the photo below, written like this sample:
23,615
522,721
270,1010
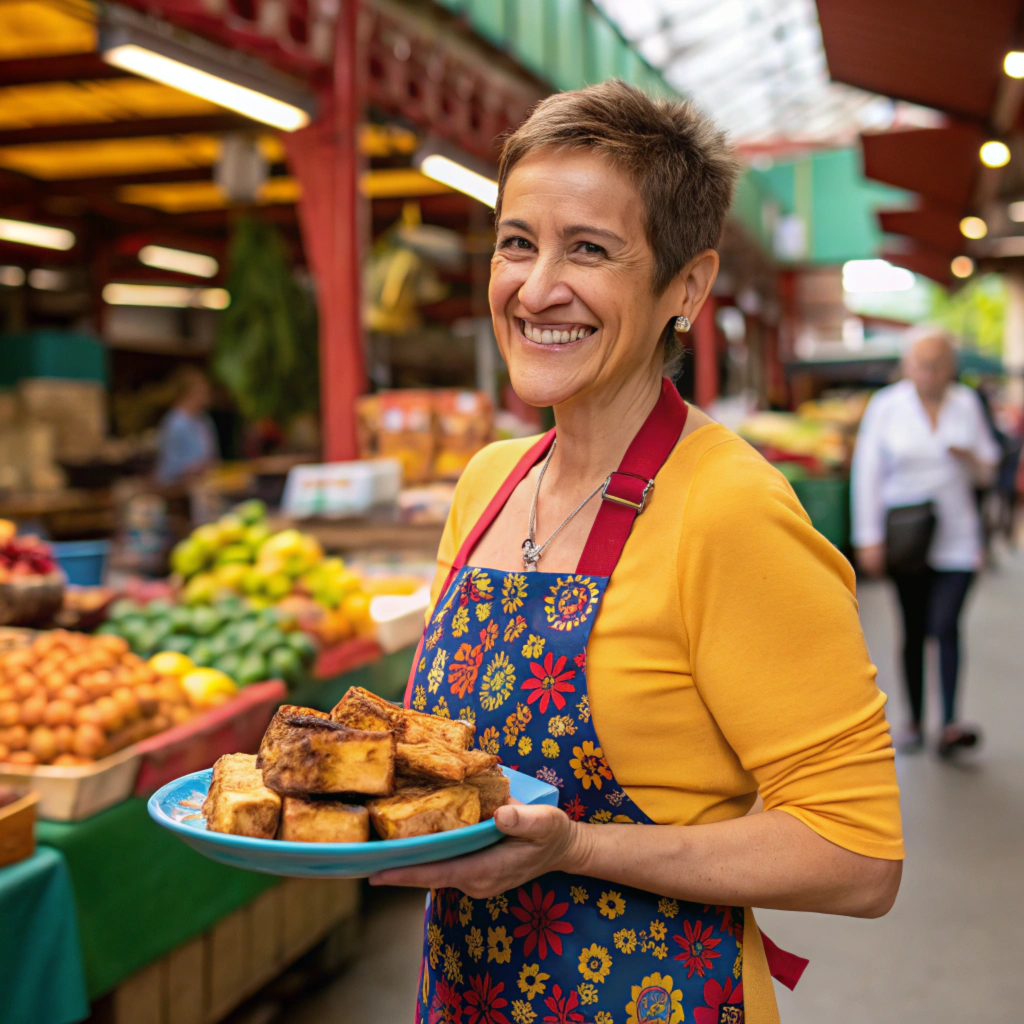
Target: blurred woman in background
923,447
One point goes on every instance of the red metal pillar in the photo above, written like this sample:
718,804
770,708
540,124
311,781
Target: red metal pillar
325,158
705,355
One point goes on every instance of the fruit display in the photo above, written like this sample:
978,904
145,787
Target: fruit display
244,643
240,555
31,583
70,699
23,556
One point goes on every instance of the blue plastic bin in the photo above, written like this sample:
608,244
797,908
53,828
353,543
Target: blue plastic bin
83,561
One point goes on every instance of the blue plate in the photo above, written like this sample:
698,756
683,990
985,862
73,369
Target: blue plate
176,806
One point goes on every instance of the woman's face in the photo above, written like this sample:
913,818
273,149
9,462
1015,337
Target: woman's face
571,277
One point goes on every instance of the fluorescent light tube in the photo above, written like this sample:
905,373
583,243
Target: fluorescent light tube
36,234
249,102
178,259
450,173
171,296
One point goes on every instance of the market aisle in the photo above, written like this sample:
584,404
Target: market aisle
948,951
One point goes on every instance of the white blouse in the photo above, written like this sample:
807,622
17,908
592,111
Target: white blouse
901,460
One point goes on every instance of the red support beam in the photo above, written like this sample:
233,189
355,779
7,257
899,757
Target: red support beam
132,129
326,160
66,67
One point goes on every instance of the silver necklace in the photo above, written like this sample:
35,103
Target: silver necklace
532,553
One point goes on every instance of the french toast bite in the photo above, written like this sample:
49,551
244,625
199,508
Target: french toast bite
308,753
424,810
313,820
238,802
492,787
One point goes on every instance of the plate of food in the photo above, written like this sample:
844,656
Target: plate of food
370,786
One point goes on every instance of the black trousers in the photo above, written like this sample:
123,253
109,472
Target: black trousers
931,605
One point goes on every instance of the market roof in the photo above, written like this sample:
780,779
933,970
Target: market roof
949,56
757,66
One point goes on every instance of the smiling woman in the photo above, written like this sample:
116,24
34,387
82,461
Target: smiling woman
661,654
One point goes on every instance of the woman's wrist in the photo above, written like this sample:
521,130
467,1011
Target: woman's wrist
578,856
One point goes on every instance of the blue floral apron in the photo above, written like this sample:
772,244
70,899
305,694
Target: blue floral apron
508,651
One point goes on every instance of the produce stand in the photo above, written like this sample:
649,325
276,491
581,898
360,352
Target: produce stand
139,891
41,975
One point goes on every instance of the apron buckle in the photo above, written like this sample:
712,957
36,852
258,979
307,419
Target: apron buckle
619,499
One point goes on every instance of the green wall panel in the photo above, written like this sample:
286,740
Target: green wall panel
533,33
568,70
569,43
491,19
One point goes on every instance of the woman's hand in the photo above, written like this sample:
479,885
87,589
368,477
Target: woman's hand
541,839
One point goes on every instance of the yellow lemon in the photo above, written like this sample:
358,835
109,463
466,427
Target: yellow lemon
208,686
356,608
171,663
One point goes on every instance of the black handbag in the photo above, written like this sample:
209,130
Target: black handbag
908,536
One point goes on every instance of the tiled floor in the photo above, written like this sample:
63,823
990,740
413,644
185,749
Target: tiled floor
949,953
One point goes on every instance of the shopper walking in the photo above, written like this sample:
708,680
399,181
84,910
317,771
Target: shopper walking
635,609
924,446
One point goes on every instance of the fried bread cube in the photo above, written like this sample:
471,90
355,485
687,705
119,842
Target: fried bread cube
433,760
303,753
427,747
361,709
238,802
493,788
423,810
308,820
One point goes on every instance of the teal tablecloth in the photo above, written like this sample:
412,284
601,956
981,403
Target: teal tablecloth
139,890
41,975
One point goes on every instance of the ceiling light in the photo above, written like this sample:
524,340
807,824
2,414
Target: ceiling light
455,175
177,259
995,154
145,47
973,227
165,295
12,277
1016,212
875,276
1013,64
962,266
48,280
36,234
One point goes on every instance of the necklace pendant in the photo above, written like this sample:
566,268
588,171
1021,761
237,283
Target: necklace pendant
531,555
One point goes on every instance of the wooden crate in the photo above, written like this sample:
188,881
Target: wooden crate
203,981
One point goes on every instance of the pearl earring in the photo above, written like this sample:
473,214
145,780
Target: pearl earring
682,324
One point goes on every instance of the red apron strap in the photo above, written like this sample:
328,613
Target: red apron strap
497,503
628,488
785,968
490,513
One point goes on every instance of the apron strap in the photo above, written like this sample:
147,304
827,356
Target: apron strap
626,491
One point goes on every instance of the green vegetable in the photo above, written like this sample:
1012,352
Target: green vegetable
304,645
205,620
201,654
122,609
251,512
253,669
229,664
178,642
268,639
285,662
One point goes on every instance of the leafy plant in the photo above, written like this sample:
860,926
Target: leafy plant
976,313
266,352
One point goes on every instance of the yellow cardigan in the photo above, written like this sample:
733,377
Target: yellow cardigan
727,659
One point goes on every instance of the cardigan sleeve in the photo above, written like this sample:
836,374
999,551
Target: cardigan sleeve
779,657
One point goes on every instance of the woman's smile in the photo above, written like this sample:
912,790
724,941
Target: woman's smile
550,335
